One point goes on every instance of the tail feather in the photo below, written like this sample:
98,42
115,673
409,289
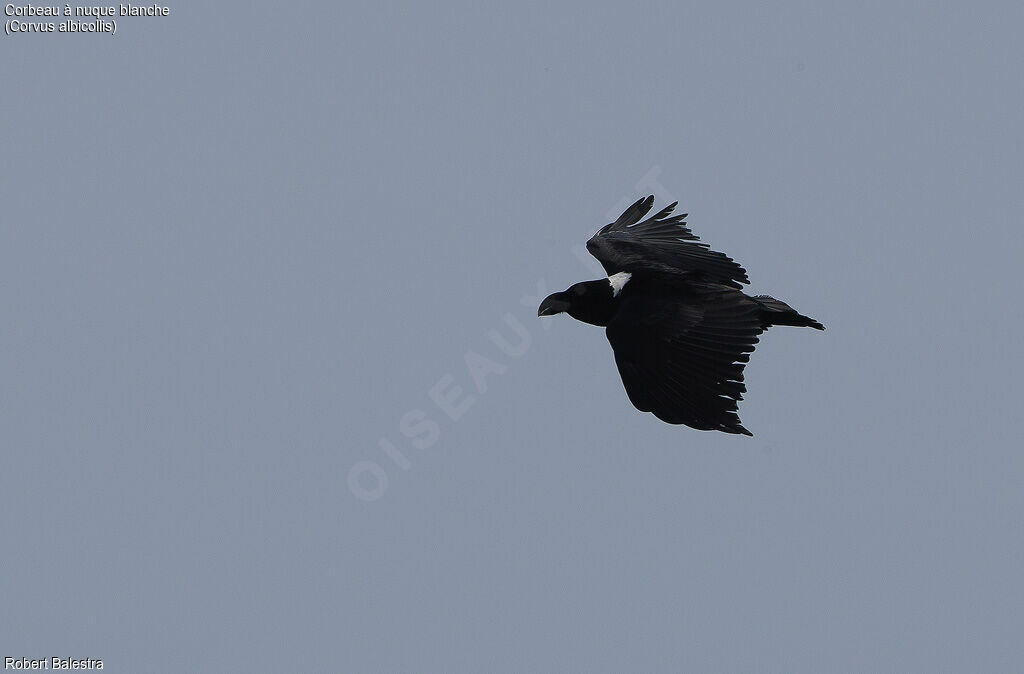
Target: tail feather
777,312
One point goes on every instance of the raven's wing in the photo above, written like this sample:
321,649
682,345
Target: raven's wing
661,243
683,360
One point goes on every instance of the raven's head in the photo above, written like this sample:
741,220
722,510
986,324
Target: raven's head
588,301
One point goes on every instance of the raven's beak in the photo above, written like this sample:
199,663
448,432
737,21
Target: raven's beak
552,304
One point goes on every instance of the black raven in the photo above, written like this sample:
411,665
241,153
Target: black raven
673,311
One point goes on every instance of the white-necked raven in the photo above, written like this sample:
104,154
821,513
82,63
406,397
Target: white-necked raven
673,311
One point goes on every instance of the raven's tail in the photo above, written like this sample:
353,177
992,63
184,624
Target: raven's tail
777,312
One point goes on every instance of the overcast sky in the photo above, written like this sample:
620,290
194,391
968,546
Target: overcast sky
276,397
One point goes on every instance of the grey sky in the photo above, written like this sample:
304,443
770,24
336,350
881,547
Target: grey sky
240,243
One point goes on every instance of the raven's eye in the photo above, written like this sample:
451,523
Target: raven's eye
579,289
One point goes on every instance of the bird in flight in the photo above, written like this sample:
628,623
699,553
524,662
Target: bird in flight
679,325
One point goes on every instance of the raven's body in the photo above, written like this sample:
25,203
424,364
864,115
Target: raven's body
679,325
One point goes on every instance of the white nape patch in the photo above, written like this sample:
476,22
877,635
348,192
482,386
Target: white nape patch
619,282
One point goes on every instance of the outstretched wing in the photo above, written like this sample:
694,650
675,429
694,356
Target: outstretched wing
661,243
683,360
